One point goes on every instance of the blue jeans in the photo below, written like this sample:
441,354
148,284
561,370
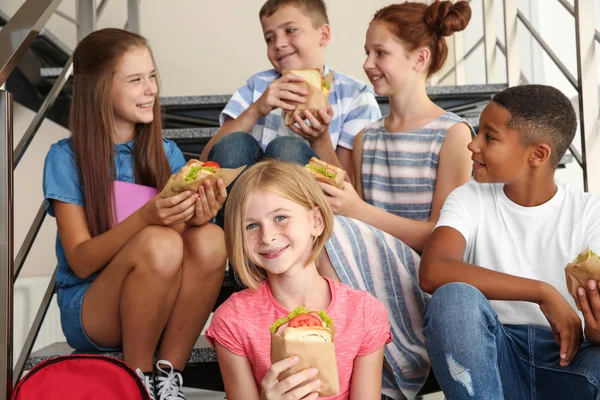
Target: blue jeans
240,148
474,356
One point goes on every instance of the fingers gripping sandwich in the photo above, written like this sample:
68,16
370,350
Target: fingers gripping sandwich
318,88
585,267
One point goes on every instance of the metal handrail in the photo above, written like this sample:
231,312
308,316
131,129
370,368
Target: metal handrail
20,31
29,240
571,10
34,330
547,49
467,54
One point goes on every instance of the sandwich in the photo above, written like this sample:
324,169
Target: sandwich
195,173
302,325
318,88
327,173
308,335
585,267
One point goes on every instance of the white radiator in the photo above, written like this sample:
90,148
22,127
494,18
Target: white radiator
28,295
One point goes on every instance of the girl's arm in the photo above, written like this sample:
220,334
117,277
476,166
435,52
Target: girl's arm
454,168
366,376
237,375
87,255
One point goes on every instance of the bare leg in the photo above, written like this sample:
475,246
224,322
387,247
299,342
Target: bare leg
203,271
130,301
325,267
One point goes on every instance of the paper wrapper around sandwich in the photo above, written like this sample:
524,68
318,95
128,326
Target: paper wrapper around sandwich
177,184
584,268
319,355
315,100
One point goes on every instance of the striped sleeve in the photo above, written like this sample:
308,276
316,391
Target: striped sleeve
238,103
362,111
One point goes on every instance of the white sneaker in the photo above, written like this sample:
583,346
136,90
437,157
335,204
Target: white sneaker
168,382
148,382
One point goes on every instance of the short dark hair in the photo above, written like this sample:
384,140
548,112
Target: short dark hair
314,9
541,114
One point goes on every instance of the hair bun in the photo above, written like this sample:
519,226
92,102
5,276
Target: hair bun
445,18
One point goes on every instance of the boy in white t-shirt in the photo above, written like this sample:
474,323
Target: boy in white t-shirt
501,323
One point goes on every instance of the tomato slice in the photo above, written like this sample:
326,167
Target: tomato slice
305,320
212,164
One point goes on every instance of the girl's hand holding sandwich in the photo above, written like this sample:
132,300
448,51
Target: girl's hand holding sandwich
273,389
319,125
170,211
589,302
344,202
208,203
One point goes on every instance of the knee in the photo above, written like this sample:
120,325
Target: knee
289,149
205,245
457,305
236,149
161,251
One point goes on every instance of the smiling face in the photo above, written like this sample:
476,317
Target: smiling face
292,40
389,66
134,89
498,154
279,232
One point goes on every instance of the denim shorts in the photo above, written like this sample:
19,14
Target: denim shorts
70,302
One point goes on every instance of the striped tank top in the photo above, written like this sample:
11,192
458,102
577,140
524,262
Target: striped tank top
399,168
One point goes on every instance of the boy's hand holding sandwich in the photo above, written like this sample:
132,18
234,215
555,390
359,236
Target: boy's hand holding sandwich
283,93
582,277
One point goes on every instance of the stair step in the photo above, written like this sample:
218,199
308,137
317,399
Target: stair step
202,353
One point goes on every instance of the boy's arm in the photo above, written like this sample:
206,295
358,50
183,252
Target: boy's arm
366,376
357,164
279,94
442,263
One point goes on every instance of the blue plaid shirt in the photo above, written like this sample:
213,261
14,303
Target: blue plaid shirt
353,103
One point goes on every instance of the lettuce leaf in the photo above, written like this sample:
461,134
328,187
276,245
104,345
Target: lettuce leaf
280,321
592,254
326,318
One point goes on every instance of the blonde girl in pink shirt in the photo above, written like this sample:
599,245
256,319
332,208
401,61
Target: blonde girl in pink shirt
277,221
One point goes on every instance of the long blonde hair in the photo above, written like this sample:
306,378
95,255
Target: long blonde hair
285,179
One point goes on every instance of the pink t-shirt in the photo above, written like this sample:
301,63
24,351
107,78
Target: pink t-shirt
241,325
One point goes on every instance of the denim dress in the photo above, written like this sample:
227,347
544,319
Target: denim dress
61,182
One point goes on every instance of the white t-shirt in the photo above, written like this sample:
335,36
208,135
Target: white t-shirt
530,242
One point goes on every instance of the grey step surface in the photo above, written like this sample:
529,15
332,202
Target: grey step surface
202,353
431,91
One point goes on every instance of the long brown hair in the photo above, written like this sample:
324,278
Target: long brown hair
419,25
92,131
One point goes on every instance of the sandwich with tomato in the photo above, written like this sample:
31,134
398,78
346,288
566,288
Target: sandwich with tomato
195,173
303,325
325,172
318,88
309,336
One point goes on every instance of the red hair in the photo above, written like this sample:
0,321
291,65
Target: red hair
418,25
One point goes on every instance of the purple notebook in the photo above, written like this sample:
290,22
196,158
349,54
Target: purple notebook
130,197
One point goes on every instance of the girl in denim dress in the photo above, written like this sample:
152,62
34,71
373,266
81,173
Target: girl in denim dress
154,276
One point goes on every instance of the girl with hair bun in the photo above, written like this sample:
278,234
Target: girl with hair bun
405,165
408,162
